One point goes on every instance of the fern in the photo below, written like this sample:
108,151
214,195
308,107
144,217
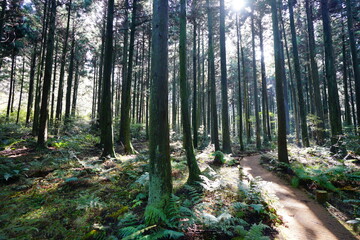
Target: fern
154,215
256,232
165,234
130,233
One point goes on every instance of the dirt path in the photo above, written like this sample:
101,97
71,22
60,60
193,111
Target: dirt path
304,219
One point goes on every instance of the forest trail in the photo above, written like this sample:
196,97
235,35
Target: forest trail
304,218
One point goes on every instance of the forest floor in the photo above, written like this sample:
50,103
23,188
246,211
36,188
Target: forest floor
303,217
67,192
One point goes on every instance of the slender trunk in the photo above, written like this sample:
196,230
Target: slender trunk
70,80
345,81
21,91
315,74
333,101
59,102
282,144
75,92
125,136
355,60
240,109
53,86
13,58
106,124
31,84
174,106
301,103
44,112
194,171
211,60
194,107
224,90
256,99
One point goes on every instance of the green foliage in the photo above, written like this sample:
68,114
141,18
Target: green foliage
219,157
137,130
77,142
10,170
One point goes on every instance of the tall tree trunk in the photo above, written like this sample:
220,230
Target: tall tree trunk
333,101
282,144
160,184
224,92
125,136
21,91
304,133
211,60
315,74
13,58
194,108
35,127
256,99
240,111
60,95
31,84
106,124
75,92
345,80
44,112
70,79
265,101
174,106
354,55
194,171
54,85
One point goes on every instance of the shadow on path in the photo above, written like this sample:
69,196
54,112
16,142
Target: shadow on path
304,219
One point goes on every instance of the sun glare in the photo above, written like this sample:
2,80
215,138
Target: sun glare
237,5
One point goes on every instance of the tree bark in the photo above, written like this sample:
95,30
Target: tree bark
282,144
160,185
333,101
44,112
301,104
125,136
106,124
224,91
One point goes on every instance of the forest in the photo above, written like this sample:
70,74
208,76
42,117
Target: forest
180,119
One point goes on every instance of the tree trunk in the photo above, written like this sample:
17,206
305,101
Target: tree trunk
265,100
44,112
315,75
75,92
125,136
347,121
224,90
106,124
240,109
31,85
354,55
333,100
21,91
70,80
53,86
194,107
194,171
256,103
60,95
13,58
282,144
160,184
2,18
174,106
301,104
211,60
